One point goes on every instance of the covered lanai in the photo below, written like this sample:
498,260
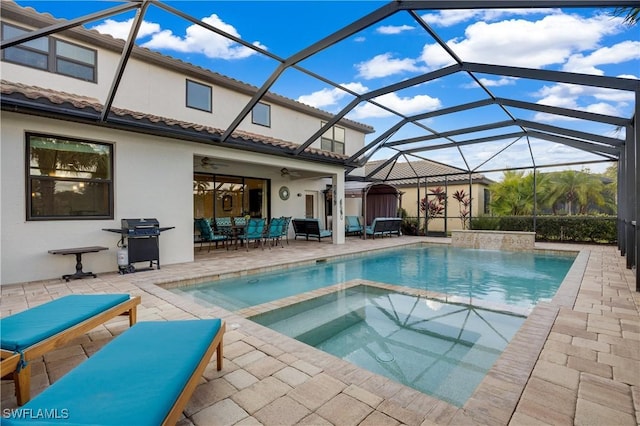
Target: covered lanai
484,131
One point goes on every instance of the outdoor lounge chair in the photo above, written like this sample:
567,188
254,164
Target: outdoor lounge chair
352,225
310,228
36,331
145,376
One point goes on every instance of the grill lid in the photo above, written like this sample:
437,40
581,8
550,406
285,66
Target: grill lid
129,224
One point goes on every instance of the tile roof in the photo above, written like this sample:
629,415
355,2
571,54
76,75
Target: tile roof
407,173
39,19
62,101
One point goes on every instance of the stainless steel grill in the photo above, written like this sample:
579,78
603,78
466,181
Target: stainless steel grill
141,239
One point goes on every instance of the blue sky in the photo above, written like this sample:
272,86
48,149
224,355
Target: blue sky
576,40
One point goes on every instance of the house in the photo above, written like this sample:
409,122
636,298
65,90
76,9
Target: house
442,179
71,167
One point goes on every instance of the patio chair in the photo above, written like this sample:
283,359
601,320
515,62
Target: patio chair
253,231
223,225
208,235
352,225
38,330
144,376
286,220
273,234
240,221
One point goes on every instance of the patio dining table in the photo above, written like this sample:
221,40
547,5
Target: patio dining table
233,234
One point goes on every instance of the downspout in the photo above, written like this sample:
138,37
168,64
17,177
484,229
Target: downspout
446,204
535,198
470,199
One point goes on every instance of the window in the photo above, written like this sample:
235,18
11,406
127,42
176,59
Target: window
51,54
68,178
198,96
333,139
261,114
75,61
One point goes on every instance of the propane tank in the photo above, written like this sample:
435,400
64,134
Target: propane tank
123,257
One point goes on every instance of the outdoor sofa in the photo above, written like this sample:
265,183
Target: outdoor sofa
310,228
384,226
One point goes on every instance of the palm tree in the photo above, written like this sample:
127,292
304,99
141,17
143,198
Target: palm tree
513,195
577,189
630,14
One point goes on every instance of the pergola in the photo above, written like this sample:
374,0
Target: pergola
506,124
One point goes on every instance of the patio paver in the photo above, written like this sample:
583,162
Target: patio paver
576,361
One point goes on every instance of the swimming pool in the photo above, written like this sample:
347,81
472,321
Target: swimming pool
431,317
513,281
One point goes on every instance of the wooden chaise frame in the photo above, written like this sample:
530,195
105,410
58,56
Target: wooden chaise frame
216,345
22,378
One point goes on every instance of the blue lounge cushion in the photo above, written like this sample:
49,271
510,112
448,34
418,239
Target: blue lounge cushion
33,325
133,380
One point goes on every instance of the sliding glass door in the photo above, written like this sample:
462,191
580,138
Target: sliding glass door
229,196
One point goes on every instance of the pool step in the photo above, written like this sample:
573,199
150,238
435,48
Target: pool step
327,314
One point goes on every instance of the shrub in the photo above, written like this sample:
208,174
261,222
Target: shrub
579,229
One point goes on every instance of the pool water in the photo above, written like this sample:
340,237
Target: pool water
440,349
512,279
415,335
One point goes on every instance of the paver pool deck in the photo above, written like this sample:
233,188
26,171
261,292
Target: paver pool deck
575,361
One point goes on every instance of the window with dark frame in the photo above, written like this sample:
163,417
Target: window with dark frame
68,178
333,139
261,114
51,54
199,96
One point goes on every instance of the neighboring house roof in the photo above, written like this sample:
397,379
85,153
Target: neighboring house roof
33,18
56,104
407,173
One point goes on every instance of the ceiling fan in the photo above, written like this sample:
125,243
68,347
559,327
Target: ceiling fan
284,172
210,163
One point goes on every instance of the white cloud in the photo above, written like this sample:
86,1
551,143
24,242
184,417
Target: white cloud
447,18
360,39
404,105
330,97
503,81
532,44
120,29
618,53
568,93
583,98
195,40
384,65
200,40
394,29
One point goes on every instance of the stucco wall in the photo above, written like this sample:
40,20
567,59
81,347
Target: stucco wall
410,202
156,90
153,177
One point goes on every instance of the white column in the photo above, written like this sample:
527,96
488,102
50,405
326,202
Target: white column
338,208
